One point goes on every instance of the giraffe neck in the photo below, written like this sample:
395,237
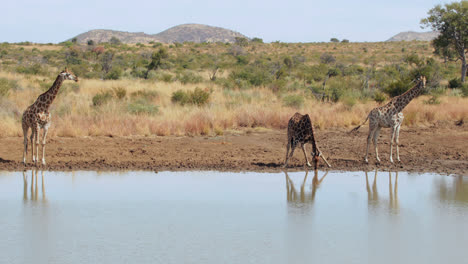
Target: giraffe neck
403,100
48,97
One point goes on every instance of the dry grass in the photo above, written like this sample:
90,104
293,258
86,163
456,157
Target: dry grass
74,114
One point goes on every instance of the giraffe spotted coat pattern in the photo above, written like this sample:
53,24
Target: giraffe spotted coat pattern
300,131
37,117
390,116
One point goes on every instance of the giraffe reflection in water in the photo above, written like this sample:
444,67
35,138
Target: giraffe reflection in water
373,194
34,192
303,196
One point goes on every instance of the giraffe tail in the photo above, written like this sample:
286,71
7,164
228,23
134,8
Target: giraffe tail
356,128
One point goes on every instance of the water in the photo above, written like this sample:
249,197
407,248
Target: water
214,217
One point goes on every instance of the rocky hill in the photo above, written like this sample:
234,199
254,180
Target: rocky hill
183,33
197,33
411,35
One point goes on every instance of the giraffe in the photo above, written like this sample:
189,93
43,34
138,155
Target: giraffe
390,116
37,116
300,130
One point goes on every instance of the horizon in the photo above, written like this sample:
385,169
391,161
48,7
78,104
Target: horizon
53,21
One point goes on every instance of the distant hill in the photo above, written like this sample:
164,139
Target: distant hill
411,35
197,33
183,33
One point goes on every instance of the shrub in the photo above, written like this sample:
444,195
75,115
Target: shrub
160,76
256,76
294,100
114,74
379,97
102,98
196,97
34,69
142,106
455,83
189,77
199,97
397,88
180,97
120,92
327,58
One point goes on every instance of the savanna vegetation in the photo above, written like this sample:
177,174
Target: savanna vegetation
211,88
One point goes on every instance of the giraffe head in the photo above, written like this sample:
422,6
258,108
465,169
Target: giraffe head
315,157
67,75
422,79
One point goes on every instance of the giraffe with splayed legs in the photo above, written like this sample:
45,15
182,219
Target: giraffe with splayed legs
390,116
300,131
37,117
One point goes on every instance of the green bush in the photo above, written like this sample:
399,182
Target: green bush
294,100
255,76
196,97
142,106
180,97
455,83
114,74
102,98
397,88
160,76
189,77
379,97
199,97
34,69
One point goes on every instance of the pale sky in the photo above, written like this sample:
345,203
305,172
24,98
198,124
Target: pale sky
44,21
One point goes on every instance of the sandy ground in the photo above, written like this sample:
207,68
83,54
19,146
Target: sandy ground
441,150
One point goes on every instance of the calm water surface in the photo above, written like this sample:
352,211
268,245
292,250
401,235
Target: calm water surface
214,217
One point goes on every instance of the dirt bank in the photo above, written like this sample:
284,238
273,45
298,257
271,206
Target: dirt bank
441,150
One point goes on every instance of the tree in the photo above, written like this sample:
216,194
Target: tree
115,41
451,20
257,40
156,60
90,42
243,42
334,40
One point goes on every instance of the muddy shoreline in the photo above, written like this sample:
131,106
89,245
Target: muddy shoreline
440,150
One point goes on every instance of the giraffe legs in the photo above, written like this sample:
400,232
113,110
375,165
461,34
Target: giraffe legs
293,146
375,139
25,134
33,141
36,136
370,137
305,155
397,141
391,143
44,135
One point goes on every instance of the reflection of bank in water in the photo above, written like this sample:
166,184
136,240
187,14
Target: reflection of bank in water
303,196
373,198
34,186
454,188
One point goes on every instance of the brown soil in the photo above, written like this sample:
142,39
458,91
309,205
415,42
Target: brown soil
441,150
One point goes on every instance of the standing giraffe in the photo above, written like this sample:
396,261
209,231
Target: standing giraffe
300,130
37,116
390,115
